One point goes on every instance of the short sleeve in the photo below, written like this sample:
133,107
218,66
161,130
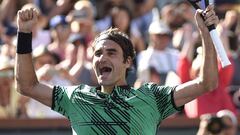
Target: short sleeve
165,100
61,99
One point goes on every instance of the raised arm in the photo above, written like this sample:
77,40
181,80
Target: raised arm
27,82
208,76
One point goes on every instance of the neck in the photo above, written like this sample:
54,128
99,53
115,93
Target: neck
108,89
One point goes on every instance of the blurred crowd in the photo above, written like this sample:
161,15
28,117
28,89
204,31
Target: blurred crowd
163,33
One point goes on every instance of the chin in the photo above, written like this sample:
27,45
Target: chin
101,82
105,83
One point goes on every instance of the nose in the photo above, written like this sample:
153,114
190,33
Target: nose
102,58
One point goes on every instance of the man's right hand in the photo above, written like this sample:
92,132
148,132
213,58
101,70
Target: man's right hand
26,19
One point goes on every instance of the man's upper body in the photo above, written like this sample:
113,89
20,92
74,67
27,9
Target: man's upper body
113,55
125,111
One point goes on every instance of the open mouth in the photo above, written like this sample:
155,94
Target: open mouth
105,70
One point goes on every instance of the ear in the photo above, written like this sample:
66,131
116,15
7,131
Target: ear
128,62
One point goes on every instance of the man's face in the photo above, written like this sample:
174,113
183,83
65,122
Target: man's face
108,63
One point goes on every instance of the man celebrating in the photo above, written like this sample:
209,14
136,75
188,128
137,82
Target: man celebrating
114,107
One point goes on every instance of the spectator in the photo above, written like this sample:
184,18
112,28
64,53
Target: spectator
82,19
45,63
230,121
82,71
75,40
223,122
8,48
186,11
82,22
42,56
60,32
172,14
8,97
159,59
144,16
122,19
230,30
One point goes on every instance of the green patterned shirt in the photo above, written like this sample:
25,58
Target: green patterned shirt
126,111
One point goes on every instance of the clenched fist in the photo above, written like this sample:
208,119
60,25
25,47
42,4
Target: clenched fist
210,18
26,19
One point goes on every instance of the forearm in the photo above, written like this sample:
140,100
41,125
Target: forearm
25,73
209,69
27,83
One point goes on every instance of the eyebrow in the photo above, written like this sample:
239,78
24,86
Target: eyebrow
108,50
111,50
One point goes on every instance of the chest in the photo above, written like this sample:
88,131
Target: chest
120,114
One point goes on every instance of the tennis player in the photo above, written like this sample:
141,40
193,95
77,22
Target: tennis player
114,107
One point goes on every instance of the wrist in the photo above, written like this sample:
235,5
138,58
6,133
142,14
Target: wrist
204,33
24,30
24,42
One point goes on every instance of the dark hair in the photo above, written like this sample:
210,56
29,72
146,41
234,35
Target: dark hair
121,39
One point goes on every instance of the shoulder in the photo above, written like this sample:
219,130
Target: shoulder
155,88
69,90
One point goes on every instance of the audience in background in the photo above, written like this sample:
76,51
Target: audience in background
66,29
159,58
231,35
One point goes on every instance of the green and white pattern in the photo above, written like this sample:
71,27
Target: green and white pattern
123,112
